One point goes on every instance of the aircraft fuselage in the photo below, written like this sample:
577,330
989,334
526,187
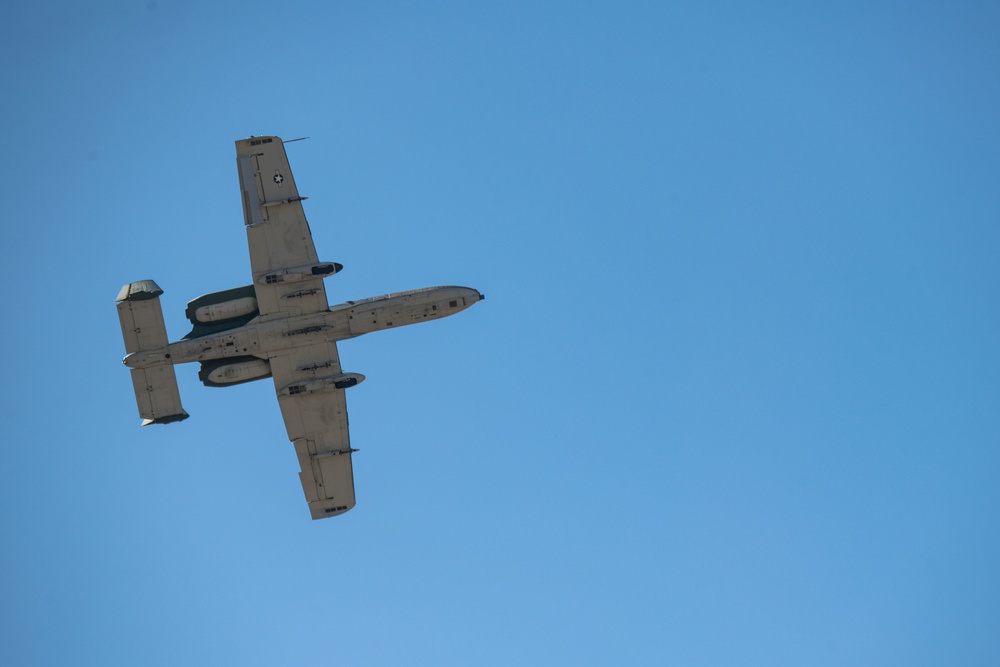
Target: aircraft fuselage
263,337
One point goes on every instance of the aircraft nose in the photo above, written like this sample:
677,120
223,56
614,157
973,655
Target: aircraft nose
472,295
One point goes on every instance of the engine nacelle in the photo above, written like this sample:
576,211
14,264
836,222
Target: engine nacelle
227,310
332,383
220,311
235,370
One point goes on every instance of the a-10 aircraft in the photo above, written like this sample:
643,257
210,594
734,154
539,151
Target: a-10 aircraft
279,326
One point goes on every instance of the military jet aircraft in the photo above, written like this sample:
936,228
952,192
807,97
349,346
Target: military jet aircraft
279,326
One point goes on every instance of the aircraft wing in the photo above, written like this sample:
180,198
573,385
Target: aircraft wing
277,231
317,425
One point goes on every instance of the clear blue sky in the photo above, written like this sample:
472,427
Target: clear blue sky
732,398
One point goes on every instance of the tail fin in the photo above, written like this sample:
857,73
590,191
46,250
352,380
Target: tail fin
156,393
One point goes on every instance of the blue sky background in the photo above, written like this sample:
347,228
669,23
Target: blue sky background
732,397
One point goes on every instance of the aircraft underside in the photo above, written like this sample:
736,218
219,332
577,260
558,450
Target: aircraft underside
279,326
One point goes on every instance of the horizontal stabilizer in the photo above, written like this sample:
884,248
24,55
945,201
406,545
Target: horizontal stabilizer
141,318
156,395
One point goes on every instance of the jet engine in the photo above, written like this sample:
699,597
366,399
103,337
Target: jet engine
234,370
220,311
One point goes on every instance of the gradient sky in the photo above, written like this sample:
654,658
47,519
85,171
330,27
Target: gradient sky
732,398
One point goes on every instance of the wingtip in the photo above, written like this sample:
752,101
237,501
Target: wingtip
167,419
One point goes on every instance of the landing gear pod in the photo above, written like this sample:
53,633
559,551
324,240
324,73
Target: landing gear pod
301,273
333,383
